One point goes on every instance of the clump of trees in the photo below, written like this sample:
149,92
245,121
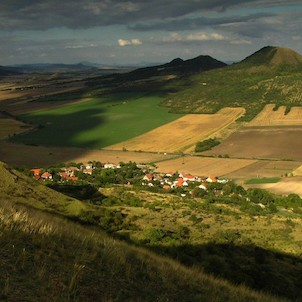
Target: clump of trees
207,144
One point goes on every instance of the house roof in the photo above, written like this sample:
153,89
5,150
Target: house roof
46,175
180,182
36,171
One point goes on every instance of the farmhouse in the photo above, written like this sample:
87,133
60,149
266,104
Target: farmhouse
46,176
148,177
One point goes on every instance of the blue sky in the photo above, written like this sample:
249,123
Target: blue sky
116,32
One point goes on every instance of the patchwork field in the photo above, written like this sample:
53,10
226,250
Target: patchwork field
285,186
263,142
182,133
18,155
266,168
98,122
204,166
270,117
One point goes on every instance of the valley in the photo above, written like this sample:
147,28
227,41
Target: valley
240,237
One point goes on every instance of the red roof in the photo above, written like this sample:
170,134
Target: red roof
46,175
180,181
65,176
36,172
189,176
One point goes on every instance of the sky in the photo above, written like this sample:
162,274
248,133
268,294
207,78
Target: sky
116,32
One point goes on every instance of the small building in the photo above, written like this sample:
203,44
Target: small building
46,176
36,172
148,177
211,179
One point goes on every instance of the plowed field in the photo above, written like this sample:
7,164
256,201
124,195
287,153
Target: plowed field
263,142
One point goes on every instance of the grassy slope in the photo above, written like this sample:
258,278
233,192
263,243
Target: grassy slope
97,123
271,75
235,86
239,241
28,191
45,256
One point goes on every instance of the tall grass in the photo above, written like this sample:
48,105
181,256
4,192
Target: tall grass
44,257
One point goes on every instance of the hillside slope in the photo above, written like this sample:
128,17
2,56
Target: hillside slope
271,75
45,256
274,56
16,187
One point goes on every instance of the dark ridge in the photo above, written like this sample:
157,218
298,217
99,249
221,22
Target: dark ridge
179,67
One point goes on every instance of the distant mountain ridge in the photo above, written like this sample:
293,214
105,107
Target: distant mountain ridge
8,71
179,66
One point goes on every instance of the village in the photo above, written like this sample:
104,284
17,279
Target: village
130,174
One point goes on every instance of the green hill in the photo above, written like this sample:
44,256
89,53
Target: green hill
44,257
271,75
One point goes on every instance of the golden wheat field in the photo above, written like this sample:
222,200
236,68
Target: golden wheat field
269,117
204,166
182,133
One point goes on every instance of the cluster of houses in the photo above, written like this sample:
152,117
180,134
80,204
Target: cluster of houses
69,173
178,180
166,181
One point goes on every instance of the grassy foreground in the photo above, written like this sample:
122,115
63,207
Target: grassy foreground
44,256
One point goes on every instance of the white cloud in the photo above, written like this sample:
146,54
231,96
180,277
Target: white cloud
200,36
241,41
123,42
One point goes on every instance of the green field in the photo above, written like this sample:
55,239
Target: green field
265,180
98,122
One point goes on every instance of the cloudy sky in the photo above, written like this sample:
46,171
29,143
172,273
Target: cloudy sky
150,31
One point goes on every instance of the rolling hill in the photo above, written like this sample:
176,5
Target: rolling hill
273,56
271,75
44,255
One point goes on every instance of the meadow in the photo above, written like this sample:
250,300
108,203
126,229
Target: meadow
97,122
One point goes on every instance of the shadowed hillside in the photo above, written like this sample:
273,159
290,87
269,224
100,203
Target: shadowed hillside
178,67
45,256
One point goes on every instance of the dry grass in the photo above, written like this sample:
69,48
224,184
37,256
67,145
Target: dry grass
204,166
71,263
269,117
181,134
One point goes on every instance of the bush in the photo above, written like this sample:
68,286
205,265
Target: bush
207,144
